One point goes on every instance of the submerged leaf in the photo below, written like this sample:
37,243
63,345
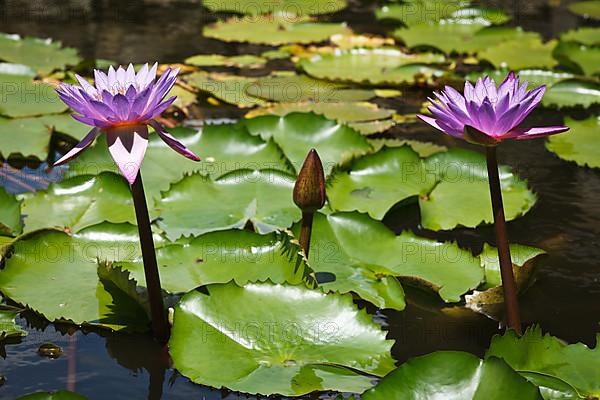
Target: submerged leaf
8,326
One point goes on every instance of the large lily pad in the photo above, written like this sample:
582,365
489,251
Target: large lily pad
43,55
25,98
80,202
10,214
376,66
290,7
535,353
453,376
417,11
197,204
273,339
337,248
584,57
8,326
455,180
521,53
273,30
221,257
585,35
535,77
297,133
56,275
589,8
573,92
218,60
227,88
580,144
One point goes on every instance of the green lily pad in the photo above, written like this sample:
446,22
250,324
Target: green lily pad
291,7
9,327
56,275
80,202
584,57
28,136
273,30
221,257
454,180
66,125
417,11
222,148
590,8
372,127
297,133
376,66
580,144
44,56
24,98
370,271
288,88
535,77
454,376
197,204
185,98
10,214
575,364
20,70
273,339
521,53
573,92
585,35
218,60
228,88
424,149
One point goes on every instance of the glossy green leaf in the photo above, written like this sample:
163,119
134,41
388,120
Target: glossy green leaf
417,11
575,364
80,202
573,92
520,255
198,205
580,144
535,77
552,388
273,30
218,60
589,8
56,275
453,376
586,35
231,89
10,214
370,271
521,53
42,55
424,149
297,133
376,66
584,57
273,339
292,7
25,136
221,257
8,326
25,98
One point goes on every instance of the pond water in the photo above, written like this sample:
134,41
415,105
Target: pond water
565,299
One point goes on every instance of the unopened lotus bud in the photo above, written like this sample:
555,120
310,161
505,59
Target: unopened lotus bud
309,192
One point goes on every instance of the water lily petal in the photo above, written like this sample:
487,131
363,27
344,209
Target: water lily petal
173,143
531,133
442,127
127,146
81,146
156,111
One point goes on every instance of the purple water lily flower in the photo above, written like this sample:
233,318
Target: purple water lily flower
494,113
122,104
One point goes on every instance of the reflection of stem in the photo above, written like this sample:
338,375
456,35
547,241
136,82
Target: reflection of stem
72,363
306,231
508,280
160,325
157,378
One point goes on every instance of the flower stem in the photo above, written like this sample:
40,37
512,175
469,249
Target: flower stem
160,324
306,231
509,285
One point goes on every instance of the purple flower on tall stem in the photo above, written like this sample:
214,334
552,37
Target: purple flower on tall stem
121,105
487,115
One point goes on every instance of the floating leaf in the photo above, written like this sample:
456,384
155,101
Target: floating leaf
185,98
25,98
590,8
575,364
573,92
80,202
296,88
580,144
214,60
297,133
10,214
424,149
273,30
521,53
25,136
584,57
44,56
228,88
8,326
376,66
285,340
585,35
453,375
221,257
56,275
455,180
290,7
197,205
369,271
535,77
22,71
419,11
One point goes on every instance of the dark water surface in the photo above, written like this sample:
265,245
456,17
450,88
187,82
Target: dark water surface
565,298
